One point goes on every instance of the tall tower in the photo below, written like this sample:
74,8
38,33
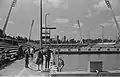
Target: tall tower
57,37
64,38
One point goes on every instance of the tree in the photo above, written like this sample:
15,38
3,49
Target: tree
1,33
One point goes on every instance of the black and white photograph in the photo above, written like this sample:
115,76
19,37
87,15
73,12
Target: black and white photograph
59,38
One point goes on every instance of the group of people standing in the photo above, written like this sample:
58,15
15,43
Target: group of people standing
41,55
40,58
22,51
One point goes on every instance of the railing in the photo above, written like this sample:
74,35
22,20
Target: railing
7,54
88,51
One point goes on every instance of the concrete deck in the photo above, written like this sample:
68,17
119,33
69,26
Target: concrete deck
86,73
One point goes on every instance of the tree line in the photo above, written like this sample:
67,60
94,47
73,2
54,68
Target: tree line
68,41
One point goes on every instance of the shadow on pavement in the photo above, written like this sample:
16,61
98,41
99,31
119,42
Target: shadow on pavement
32,69
7,63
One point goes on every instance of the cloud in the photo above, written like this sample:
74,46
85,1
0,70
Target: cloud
0,18
117,18
101,5
61,31
89,14
54,3
37,2
107,24
75,31
65,26
60,20
76,25
11,22
112,22
65,6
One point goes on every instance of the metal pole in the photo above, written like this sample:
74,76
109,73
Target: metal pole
31,29
102,35
57,55
46,26
40,23
58,60
50,36
89,36
5,25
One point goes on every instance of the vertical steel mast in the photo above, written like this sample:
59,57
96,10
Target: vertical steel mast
8,16
40,23
31,29
102,35
80,31
117,25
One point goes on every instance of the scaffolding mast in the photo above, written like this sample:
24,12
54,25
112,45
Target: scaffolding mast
81,41
8,16
31,29
113,14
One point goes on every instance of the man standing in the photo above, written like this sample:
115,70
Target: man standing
27,58
19,51
47,57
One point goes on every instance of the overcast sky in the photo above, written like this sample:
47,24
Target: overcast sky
63,15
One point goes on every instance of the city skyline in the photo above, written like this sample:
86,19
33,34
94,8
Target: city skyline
63,15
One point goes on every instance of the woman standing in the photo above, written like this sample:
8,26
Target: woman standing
40,59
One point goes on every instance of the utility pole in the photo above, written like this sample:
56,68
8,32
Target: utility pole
89,40
40,23
8,16
31,29
102,35
88,34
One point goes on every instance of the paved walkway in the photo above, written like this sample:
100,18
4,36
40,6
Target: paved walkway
12,68
17,69
32,71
